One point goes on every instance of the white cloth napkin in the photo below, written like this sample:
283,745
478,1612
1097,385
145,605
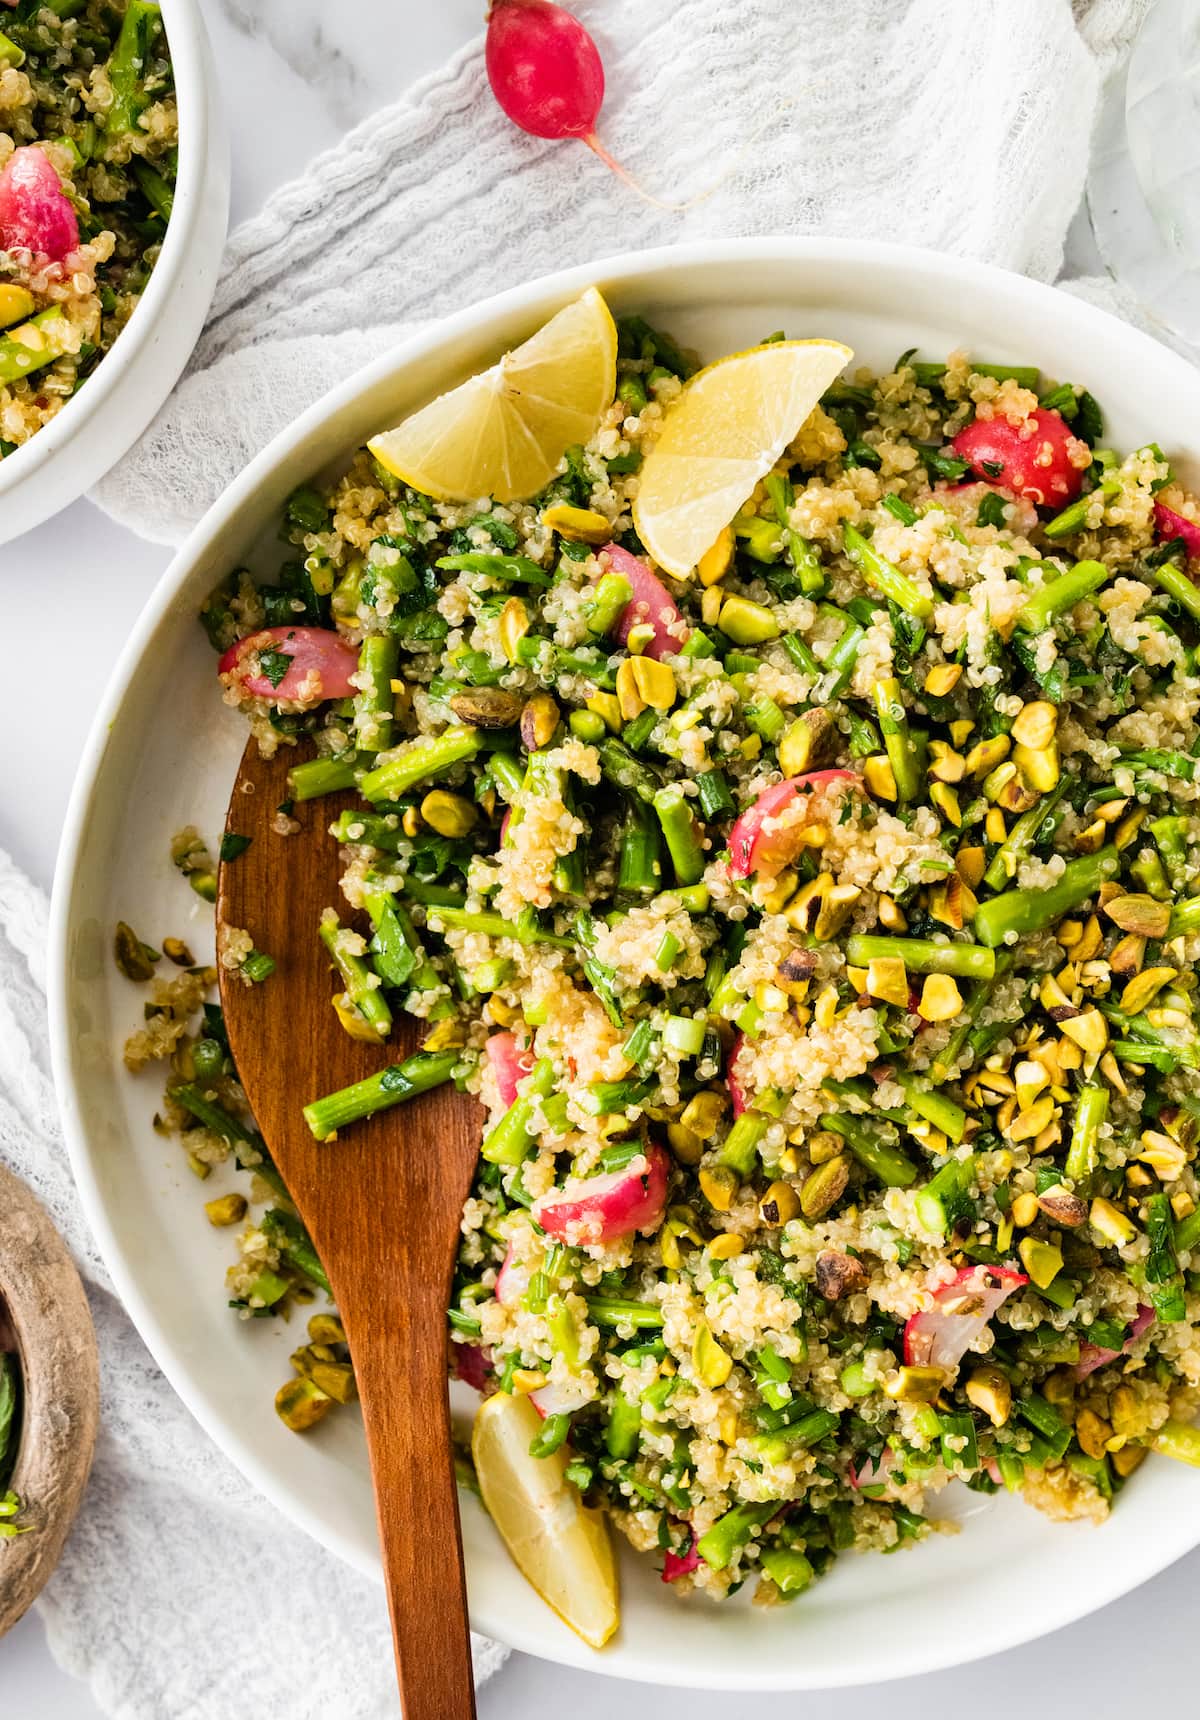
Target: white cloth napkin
182,1594
963,125
960,126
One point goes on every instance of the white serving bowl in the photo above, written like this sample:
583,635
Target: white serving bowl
105,418
163,752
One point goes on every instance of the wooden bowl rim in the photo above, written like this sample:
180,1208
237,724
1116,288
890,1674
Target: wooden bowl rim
47,1308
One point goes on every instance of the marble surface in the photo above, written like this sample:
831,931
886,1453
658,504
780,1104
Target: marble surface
296,74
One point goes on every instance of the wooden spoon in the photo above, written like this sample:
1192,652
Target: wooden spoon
382,1205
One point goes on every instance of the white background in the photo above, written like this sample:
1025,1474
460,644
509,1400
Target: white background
295,75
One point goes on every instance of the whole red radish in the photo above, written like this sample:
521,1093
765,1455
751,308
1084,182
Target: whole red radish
544,68
546,73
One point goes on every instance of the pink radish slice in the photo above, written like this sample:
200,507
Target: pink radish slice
875,1472
1037,466
1169,524
473,1365
35,212
512,1280
676,1565
737,1093
650,606
1143,1320
321,667
600,1209
753,848
510,1062
1093,1356
560,1397
939,1337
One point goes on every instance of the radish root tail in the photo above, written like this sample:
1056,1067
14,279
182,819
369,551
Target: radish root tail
597,148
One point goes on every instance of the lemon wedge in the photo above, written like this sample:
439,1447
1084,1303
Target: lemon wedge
503,433
561,1547
725,432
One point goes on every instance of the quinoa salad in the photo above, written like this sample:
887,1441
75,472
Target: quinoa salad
88,146
816,930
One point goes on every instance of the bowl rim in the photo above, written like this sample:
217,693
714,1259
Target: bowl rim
1157,367
188,44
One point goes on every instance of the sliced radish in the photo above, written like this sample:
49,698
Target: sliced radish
472,1365
1033,460
560,1397
510,1062
1093,1356
512,1280
600,1209
1169,524
766,836
321,667
1142,1322
939,1337
676,1565
737,1093
876,1473
651,605
35,212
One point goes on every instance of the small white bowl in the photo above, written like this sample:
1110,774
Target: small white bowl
105,418
163,752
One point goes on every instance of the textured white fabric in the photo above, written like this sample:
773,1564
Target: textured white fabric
958,124
182,1594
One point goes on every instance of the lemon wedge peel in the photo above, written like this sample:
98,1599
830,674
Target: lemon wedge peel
502,433
562,1548
725,432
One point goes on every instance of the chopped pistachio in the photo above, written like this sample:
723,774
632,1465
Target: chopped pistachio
824,1187
1042,1260
941,999
1113,1225
989,1390
227,1209
300,1404
713,1365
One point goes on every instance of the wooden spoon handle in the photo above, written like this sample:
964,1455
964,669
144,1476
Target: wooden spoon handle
401,1374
